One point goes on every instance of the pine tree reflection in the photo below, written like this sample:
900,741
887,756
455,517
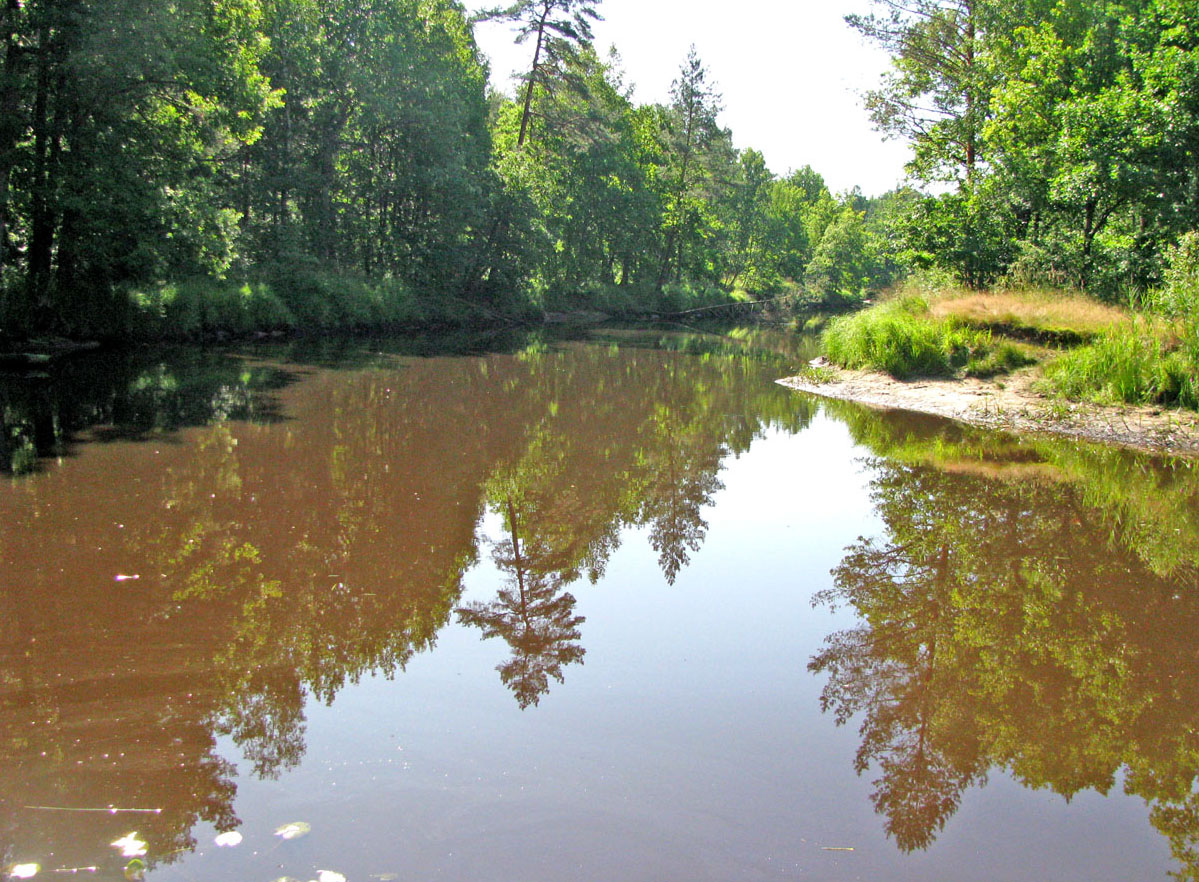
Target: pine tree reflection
532,614
541,552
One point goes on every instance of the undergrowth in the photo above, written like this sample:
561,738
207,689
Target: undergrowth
1153,359
288,300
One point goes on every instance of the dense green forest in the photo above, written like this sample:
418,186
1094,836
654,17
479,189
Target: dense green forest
228,165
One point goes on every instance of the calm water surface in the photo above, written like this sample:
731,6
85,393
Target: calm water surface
606,608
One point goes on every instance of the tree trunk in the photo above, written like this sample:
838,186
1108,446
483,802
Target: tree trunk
11,118
41,243
528,108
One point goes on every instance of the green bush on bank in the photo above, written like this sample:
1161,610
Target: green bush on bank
900,338
202,306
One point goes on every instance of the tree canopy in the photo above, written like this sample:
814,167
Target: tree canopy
347,161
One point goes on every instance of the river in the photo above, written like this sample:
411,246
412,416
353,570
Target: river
609,605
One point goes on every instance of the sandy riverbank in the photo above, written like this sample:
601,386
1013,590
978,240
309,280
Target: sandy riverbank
1011,404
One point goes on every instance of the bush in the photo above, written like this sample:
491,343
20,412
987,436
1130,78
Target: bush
203,306
1180,296
680,296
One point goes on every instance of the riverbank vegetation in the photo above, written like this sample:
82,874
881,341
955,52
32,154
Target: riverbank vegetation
234,166
223,166
904,338
1062,141
1143,353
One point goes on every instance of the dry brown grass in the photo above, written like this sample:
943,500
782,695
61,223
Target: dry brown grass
1038,314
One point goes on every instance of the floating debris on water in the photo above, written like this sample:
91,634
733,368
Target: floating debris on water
294,830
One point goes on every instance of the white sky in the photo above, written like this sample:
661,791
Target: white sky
791,73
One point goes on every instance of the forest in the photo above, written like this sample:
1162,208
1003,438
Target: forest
206,167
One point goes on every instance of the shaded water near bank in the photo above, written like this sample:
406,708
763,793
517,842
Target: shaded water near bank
609,606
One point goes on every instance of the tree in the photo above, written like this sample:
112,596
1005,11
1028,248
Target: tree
121,123
376,163
560,28
749,262
699,162
937,94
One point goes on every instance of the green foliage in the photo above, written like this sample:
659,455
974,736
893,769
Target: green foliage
899,338
204,307
1179,296
346,160
1136,364
1062,138
119,119
838,271
965,233
356,142
294,300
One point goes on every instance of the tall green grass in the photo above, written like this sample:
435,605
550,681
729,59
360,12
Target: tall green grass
1137,364
900,337
1152,360
300,299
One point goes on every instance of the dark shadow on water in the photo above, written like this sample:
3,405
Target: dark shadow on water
137,394
129,395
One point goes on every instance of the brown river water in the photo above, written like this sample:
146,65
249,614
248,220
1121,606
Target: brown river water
606,606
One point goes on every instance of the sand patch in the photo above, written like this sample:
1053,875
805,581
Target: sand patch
1012,404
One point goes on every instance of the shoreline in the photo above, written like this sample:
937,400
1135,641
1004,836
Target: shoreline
1013,405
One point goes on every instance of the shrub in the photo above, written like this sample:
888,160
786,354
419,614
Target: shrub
1180,296
680,296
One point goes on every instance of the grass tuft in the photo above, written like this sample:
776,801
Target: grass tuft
1139,363
901,338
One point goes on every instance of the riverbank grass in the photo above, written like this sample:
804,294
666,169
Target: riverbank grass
1087,350
905,338
1144,361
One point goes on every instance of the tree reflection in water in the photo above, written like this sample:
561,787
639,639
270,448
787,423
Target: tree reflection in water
532,614
615,440
279,560
1010,621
